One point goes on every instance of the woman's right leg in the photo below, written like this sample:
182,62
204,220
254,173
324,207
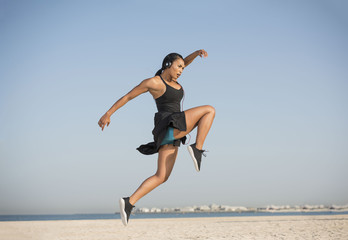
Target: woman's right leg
166,158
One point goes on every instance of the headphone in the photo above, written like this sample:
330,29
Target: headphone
169,59
167,64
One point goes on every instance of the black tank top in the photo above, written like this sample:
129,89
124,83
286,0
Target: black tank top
170,100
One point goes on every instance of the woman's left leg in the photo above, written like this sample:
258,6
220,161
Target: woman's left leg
201,117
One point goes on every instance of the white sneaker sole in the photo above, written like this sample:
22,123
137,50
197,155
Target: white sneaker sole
123,212
189,148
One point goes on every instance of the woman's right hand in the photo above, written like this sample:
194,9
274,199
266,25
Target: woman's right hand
104,121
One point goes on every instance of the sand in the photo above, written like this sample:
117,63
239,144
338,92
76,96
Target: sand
273,227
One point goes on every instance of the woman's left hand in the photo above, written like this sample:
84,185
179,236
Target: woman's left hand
192,56
202,53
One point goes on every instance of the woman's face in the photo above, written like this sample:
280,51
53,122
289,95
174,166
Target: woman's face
176,68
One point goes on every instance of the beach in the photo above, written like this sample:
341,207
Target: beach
270,227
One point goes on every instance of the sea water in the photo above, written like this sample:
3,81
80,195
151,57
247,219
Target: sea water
159,215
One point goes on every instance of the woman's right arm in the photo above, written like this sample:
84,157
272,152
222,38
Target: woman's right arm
140,89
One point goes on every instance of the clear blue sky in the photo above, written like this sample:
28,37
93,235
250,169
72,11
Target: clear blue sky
276,73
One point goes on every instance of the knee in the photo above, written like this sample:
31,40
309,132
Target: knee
210,109
165,179
161,178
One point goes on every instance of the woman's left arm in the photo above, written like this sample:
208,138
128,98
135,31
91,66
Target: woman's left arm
192,56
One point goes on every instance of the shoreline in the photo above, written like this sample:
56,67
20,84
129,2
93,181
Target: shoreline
257,227
164,215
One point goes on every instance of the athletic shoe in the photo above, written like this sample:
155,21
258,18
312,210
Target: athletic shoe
125,210
196,155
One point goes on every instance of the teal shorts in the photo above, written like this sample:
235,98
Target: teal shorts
169,137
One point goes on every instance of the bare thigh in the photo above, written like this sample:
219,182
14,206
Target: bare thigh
166,159
192,115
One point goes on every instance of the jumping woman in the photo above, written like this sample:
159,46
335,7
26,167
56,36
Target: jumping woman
171,124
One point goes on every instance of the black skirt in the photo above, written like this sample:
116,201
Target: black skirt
163,120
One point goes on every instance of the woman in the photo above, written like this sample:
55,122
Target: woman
171,124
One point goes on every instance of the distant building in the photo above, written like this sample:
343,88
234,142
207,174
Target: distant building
214,207
167,210
227,208
241,209
203,208
143,210
155,210
187,209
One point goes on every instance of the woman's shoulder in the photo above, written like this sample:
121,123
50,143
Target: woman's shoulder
155,86
153,82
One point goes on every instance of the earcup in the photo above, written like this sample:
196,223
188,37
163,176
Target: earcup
167,64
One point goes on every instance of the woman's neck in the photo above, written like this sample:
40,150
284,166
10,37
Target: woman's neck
167,77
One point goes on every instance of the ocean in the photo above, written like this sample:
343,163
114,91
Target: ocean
5,218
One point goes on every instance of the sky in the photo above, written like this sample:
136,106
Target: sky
276,74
